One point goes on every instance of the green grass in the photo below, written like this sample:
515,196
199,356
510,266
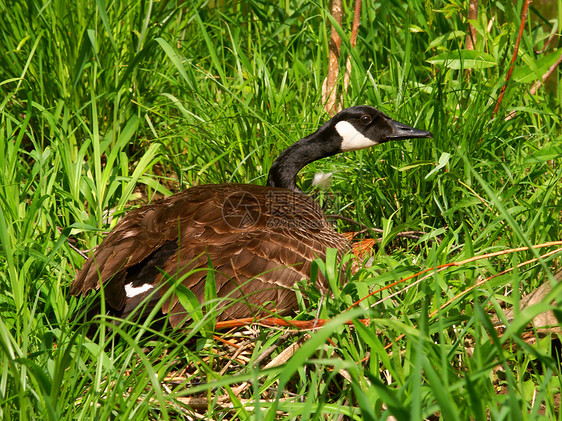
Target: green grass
110,104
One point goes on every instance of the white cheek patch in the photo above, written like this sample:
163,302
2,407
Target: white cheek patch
353,140
131,291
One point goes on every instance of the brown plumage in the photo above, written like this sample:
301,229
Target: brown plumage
261,240
241,228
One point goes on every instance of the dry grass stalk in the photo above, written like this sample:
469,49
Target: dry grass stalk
330,87
332,103
471,34
353,41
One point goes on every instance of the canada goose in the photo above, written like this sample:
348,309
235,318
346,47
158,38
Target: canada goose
259,239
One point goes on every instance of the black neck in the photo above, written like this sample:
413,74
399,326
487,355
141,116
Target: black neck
320,144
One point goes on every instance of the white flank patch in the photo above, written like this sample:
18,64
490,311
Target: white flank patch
132,291
353,140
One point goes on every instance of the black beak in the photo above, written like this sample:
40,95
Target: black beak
403,131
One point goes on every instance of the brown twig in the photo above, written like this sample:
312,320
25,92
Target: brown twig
330,87
515,52
356,23
471,34
353,41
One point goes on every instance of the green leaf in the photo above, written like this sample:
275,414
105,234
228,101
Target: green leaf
103,15
83,56
531,70
448,36
549,153
189,301
332,270
311,346
463,59
174,57
442,394
211,48
147,160
211,293
443,161
413,165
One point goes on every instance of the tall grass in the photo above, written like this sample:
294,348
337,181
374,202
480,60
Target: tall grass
106,105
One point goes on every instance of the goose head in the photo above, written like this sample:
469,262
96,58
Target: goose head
363,126
352,129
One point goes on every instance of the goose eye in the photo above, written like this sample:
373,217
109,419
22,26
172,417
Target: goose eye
365,119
